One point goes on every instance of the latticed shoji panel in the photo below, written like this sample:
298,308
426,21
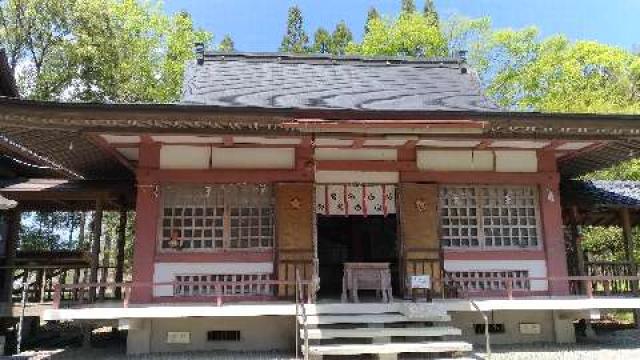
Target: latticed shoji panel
489,216
217,217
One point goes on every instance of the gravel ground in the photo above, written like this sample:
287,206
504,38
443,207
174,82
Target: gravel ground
622,344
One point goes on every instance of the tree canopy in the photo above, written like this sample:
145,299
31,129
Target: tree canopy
525,73
295,39
321,41
227,44
97,50
100,51
410,34
371,14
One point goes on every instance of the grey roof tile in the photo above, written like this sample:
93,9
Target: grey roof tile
615,193
323,82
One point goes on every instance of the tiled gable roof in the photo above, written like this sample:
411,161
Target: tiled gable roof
604,193
324,82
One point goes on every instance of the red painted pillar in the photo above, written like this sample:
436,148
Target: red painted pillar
147,211
552,230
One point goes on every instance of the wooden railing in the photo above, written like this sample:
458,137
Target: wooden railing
584,286
616,269
41,280
218,295
588,286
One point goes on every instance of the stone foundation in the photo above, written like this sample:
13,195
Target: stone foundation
555,326
261,333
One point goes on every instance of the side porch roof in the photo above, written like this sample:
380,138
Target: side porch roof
599,202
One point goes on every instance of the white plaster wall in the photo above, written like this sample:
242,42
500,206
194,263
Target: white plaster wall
130,139
356,154
357,177
449,143
184,157
165,272
454,160
519,144
536,268
182,139
252,158
516,161
266,140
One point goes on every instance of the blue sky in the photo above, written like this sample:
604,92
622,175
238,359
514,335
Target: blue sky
258,25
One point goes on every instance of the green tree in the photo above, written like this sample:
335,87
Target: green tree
463,33
295,40
227,45
430,11
407,7
322,41
93,50
97,50
557,75
371,14
340,38
34,31
627,170
410,34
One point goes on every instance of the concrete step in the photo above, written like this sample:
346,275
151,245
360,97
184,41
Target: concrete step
369,318
317,334
391,348
349,308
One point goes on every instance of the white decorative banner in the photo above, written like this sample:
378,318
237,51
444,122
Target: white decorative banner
374,198
354,200
321,199
336,200
390,198
342,199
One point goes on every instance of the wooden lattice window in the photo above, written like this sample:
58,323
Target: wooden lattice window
489,216
211,218
201,284
489,280
251,227
510,216
459,216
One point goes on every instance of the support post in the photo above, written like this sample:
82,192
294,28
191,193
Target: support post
147,213
95,247
625,220
552,227
122,234
13,232
43,286
577,240
76,272
574,218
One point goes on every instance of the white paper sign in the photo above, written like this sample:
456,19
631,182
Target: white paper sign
420,282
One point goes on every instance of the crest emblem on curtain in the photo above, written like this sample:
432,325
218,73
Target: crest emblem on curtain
361,199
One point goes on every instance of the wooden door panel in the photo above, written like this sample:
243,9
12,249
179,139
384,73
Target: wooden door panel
294,231
419,223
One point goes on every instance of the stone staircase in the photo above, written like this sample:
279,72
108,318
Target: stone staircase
384,330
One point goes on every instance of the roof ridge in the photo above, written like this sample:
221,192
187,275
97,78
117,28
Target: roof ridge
276,56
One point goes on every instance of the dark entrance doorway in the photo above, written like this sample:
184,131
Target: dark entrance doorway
354,238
